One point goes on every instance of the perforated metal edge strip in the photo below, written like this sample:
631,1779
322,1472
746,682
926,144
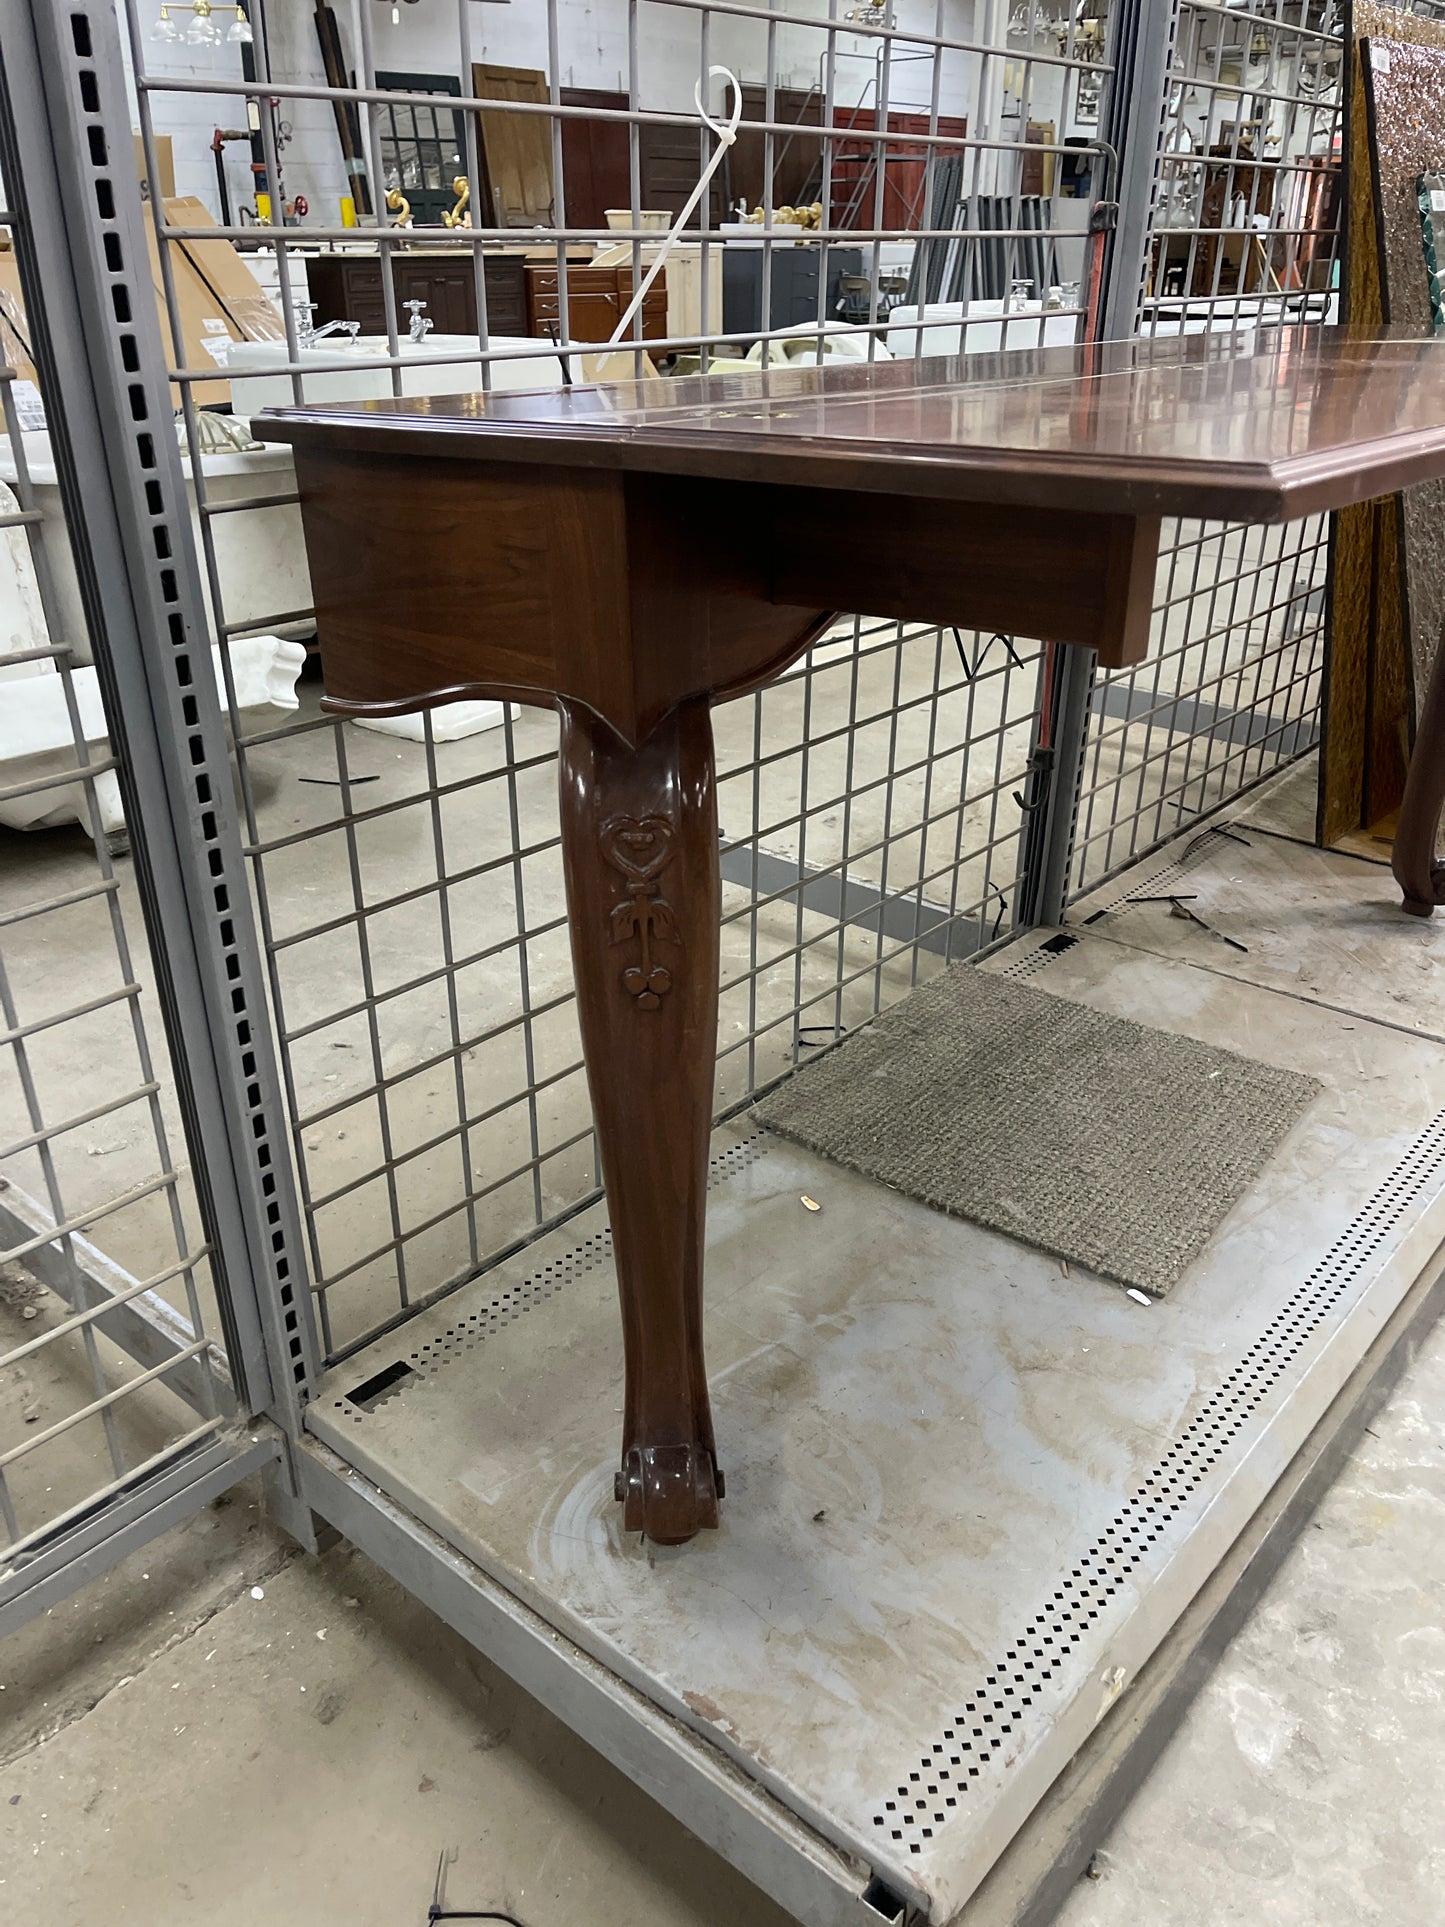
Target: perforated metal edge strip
1031,960
425,1362
975,1738
1157,882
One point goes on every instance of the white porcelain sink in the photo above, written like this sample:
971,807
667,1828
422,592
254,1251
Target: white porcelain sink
951,328
254,387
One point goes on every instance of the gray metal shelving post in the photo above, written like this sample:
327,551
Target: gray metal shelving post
1141,41
84,265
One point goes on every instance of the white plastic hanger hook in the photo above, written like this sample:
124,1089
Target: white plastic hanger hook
726,132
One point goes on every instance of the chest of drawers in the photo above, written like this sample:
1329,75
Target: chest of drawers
347,287
596,301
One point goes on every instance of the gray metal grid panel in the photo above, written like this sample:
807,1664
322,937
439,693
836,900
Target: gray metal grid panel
1242,235
873,803
1229,693
869,804
110,1374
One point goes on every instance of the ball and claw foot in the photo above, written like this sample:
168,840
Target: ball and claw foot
669,1493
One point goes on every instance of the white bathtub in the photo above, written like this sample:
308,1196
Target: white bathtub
37,736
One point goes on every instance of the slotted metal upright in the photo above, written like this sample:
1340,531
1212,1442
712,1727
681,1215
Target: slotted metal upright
75,221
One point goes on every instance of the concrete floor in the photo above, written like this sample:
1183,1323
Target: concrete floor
174,1747
306,1755
1304,1789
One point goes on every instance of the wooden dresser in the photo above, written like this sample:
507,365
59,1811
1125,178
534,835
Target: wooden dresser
596,300
347,287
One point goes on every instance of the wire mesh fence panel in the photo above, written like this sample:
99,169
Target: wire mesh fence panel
360,201
881,785
1244,238
904,180
872,830
1229,694
109,1372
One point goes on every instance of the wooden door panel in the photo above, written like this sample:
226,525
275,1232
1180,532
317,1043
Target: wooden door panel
596,164
797,157
518,147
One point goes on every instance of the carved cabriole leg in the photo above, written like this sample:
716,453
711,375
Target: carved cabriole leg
1416,871
639,843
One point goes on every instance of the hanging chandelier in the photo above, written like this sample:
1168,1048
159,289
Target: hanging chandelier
1081,31
873,13
202,30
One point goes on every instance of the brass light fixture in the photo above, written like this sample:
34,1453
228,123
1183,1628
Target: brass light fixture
873,13
1082,30
203,29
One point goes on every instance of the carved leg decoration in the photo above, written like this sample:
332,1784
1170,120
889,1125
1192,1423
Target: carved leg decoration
639,842
1417,872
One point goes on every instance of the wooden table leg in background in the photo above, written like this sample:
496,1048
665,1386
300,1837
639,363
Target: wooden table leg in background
1417,872
640,849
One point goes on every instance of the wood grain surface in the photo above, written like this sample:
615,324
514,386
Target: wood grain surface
1307,419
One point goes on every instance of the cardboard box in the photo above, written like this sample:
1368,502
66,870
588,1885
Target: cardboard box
165,163
14,330
217,296
618,364
217,299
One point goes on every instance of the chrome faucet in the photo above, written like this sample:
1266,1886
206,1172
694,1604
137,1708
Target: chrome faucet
421,325
308,334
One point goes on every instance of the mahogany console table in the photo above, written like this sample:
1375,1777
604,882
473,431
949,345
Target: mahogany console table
631,553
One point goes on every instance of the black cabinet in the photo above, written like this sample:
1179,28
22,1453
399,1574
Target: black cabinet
793,292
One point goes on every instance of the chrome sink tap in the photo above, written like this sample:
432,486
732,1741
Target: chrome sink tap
421,324
308,334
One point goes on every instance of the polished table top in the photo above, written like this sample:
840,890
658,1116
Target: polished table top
1308,419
